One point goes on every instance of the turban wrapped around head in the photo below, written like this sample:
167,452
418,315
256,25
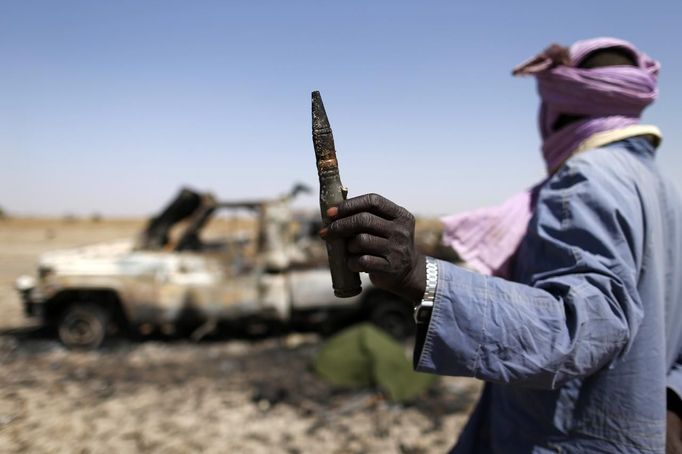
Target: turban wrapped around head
608,97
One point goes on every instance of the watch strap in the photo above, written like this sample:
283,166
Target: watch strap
422,312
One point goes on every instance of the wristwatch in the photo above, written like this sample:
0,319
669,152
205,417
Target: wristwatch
422,312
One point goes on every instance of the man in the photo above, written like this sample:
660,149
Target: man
581,340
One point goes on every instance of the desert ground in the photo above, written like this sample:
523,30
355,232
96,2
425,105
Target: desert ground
175,396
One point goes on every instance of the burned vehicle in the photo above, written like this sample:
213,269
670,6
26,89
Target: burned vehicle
202,264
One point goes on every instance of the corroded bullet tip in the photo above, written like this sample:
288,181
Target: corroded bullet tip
320,120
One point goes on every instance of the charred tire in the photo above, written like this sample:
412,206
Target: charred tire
392,315
83,326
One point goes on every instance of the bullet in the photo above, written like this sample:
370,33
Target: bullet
345,282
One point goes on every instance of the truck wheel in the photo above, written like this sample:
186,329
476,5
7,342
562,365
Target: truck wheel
392,315
83,326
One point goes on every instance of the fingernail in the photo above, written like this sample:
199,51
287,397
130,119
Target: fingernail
324,232
333,211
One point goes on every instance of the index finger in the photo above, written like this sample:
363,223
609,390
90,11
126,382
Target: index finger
370,203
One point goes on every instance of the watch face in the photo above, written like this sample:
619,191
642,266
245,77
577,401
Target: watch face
422,314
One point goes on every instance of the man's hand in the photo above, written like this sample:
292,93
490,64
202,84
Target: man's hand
380,241
673,439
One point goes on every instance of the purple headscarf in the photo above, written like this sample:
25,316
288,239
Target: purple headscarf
610,98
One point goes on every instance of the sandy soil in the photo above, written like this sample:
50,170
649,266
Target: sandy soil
236,395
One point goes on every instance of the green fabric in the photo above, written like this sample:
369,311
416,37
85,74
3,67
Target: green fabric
363,356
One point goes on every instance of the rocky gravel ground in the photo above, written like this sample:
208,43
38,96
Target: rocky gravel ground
227,396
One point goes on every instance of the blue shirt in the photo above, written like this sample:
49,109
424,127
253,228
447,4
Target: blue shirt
579,349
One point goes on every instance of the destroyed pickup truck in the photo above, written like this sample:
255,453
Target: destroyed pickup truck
194,269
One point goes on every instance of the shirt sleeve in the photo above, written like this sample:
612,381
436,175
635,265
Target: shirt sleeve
577,309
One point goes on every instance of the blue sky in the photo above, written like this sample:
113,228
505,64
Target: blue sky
111,106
